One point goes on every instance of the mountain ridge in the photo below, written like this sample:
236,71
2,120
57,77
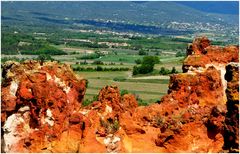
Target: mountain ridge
145,13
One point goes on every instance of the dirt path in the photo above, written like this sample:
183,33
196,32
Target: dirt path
77,50
170,53
152,77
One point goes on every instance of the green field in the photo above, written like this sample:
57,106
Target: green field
149,87
149,90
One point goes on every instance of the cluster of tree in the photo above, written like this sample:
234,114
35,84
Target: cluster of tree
89,56
112,63
182,40
26,44
9,43
95,55
138,61
86,44
165,71
99,68
162,42
55,41
73,53
146,66
122,59
13,37
180,54
82,63
98,62
41,49
142,52
43,57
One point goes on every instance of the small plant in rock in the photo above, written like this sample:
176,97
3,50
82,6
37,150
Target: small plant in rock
115,126
159,121
103,123
111,126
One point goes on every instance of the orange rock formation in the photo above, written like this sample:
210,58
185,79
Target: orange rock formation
42,112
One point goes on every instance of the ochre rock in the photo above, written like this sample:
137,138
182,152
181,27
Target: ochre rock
231,131
129,102
200,54
198,46
37,104
196,88
42,111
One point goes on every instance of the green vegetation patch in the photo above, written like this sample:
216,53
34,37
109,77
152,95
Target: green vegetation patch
16,43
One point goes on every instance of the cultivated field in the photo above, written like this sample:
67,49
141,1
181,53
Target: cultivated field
149,90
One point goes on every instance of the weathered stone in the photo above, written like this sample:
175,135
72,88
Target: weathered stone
42,112
42,101
231,132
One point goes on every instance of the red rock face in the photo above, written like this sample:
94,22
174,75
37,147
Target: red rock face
38,103
189,119
200,53
203,88
231,134
42,112
198,46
